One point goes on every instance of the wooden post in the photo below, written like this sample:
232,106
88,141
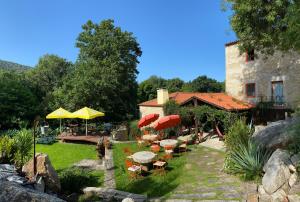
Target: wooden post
196,121
35,124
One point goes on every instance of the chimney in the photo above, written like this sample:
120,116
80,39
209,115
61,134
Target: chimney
162,96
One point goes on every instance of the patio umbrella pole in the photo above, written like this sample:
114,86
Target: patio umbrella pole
85,127
60,126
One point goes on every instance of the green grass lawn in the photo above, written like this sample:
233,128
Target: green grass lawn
195,172
64,155
152,185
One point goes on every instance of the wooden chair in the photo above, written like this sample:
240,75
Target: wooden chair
159,167
133,170
166,157
127,151
169,150
182,147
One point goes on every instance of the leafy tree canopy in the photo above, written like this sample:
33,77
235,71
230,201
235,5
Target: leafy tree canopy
48,75
17,102
148,88
105,74
205,85
266,25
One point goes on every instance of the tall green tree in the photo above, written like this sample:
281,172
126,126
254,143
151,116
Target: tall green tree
17,102
105,73
266,25
204,84
174,85
147,89
48,75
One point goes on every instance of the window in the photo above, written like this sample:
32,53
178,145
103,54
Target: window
250,56
250,89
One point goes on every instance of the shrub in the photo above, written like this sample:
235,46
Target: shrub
293,131
9,133
238,134
171,107
74,179
23,143
247,160
6,149
134,129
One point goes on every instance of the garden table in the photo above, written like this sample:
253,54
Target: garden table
143,157
149,137
168,142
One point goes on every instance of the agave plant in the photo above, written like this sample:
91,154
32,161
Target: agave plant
248,160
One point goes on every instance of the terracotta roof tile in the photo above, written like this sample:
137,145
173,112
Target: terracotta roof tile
231,43
219,100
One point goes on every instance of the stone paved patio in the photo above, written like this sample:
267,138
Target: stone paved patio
207,181
109,174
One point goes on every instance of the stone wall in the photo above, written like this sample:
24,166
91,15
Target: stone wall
145,110
262,71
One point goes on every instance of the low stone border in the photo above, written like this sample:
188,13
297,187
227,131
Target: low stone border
108,194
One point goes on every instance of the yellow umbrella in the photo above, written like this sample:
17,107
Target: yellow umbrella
60,114
87,113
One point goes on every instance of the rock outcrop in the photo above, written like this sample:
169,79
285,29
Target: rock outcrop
280,175
275,135
13,192
44,169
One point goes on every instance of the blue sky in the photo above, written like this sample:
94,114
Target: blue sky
179,38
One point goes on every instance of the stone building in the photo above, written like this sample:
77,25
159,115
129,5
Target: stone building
254,78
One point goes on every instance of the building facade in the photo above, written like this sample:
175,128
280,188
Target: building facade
216,100
254,78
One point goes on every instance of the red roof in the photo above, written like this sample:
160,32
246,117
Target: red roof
219,100
232,43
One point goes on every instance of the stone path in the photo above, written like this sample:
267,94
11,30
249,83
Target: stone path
90,164
214,143
207,181
109,174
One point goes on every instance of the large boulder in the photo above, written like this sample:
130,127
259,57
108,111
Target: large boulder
13,192
7,170
279,157
45,169
277,172
275,178
276,134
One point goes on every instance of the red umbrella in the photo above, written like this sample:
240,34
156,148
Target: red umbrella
167,122
146,120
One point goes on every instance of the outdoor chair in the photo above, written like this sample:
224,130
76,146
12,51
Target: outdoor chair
127,151
182,147
169,150
159,167
167,157
133,170
155,148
